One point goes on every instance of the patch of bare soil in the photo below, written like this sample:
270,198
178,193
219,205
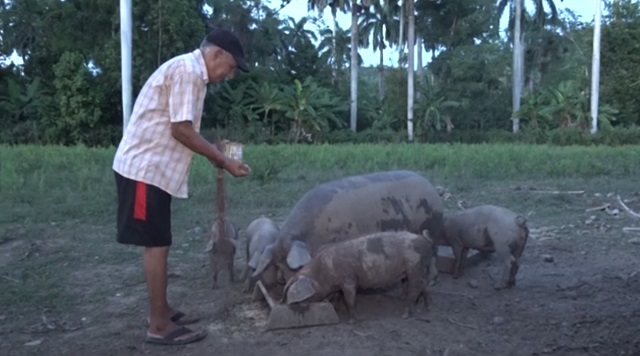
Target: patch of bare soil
570,299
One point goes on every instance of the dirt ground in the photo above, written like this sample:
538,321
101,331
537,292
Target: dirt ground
577,293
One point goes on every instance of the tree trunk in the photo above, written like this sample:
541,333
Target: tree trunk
518,58
595,68
354,65
334,67
420,69
401,33
381,74
410,68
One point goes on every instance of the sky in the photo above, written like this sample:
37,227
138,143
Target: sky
585,9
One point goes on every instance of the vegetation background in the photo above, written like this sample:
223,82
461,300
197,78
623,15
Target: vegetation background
68,90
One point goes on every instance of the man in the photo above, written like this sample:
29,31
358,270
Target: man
152,162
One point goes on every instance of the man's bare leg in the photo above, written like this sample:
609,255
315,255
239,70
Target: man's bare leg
154,261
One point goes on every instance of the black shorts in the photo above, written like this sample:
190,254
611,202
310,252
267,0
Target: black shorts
144,214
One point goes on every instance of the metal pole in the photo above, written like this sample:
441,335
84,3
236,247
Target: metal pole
125,50
410,68
595,68
516,94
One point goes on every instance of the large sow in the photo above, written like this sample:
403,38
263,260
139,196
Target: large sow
351,207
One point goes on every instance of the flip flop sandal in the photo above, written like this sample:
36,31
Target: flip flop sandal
181,319
172,338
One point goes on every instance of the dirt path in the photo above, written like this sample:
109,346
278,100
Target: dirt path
585,302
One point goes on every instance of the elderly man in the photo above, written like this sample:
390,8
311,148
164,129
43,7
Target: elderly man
151,166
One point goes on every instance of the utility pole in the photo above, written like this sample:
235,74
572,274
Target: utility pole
595,68
517,64
125,54
410,68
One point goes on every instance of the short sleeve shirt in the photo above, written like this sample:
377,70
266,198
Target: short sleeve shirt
148,152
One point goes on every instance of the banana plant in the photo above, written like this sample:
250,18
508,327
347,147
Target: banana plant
312,110
267,98
565,105
431,109
22,102
239,106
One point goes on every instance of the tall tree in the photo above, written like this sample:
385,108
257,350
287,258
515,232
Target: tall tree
517,17
335,5
381,26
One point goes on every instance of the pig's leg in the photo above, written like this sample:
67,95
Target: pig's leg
214,271
458,250
463,259
507,263
415,286
230,268
432,275
515,265
245,273
248,283
426,297
404,288
336,299
214,285
349,294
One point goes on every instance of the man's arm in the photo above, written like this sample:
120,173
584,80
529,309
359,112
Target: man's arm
183,132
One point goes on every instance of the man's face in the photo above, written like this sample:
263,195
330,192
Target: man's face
220,65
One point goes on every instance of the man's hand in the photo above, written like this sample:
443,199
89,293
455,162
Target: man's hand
184,133
234,167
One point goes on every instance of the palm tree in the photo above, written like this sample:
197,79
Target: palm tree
334,48
515,23
380,24
355,10
335,5
408,7
295,32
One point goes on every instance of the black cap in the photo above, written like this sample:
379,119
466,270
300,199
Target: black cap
229,42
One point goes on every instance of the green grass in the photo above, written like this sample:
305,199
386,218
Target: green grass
44,184
62,200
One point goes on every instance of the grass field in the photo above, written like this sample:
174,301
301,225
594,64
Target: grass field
63,275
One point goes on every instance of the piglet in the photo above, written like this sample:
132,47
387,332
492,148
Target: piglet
261,233
222,250
487,228
371,261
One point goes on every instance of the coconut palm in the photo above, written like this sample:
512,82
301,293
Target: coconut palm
380,25
515,25
335,5
334,48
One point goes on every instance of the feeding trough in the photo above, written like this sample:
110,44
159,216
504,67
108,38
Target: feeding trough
285,316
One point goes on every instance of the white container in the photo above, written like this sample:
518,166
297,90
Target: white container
233,150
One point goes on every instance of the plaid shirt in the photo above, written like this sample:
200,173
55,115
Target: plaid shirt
148,152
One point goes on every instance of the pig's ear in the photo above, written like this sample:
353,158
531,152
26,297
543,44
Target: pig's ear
427,235
253,261
298,255
210,246
302,289
265,259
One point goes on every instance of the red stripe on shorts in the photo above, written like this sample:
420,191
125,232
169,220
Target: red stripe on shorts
140,205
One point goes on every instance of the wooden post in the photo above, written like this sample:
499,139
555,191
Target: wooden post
220,194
